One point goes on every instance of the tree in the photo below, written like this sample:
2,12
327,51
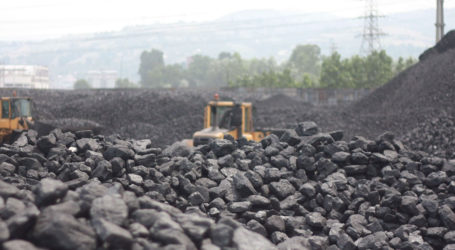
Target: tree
124,83
227,69
82,84
357,72
173,75
333,72
379,68
224,55
403,64
305,59
257,66
151,68
306,68
198,70
269,79
306,82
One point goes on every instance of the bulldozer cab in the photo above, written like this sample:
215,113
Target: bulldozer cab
15,113
226,117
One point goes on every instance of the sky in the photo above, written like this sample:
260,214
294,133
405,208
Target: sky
43,19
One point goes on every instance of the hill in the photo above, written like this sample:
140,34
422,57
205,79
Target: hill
255,33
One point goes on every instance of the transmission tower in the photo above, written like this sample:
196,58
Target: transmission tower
439,19
371,36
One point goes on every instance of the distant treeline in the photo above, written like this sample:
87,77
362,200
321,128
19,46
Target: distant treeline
305,68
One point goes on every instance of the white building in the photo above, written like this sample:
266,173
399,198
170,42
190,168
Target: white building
24,76
102,79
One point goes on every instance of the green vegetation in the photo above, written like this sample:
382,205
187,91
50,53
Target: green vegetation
124,83
305,68
82,84
371,71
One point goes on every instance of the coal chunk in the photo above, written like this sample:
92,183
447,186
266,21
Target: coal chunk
113,235
447,216
244,239
243,185
62,231
221,235
275,223
4,231
307,128
19,244
118,151
222,147
49,190
316,220
111,208
45,143
85,144
282,188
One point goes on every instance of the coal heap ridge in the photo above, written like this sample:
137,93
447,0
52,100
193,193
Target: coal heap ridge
304,190
425,88
162,115
413,102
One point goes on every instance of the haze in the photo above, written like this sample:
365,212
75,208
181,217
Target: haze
42,19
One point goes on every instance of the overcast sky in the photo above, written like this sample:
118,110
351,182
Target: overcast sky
40,19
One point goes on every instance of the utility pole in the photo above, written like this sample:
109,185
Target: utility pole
439,20
371,37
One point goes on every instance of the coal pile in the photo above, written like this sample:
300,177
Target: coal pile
162,115
282,111
426,86
420,94
436,136
305,190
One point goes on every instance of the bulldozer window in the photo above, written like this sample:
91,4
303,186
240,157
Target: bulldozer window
226,119
5,109
222,116
21,108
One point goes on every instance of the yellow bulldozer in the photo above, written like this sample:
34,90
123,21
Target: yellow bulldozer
16,114
228,117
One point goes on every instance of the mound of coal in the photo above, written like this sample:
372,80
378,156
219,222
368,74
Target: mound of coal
164,116
280,111
424,91
161,115
436,136
446,43
280,100
305,190
414,99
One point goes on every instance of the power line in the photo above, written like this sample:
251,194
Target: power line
110,20
196,28
171,44
372,34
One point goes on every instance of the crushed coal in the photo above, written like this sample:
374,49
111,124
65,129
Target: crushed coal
78,190
436,137
115,185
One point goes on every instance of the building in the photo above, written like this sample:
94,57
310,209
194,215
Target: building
24,76
102,78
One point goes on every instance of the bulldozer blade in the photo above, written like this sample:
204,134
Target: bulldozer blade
44,127
188,142
41,127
